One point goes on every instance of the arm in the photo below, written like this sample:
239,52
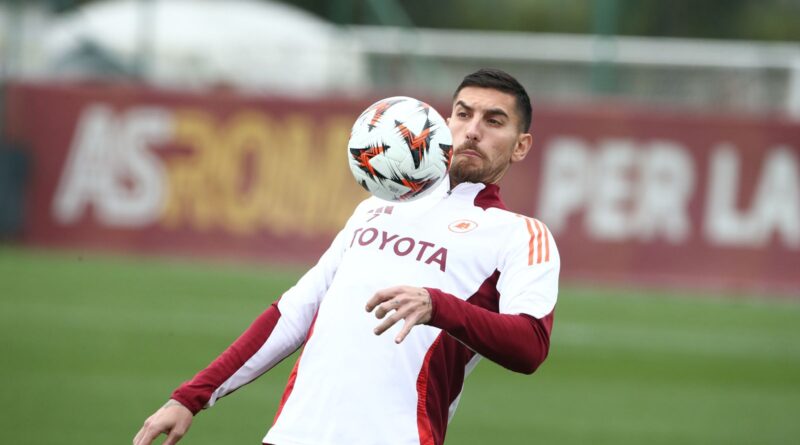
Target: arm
220,377
516,332
277,332
518,342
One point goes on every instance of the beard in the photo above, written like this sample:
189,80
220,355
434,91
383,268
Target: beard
468,168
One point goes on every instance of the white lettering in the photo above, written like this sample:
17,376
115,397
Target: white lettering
87,169
609,209
665,188
776,207
564,175
137,193
111,168
725,224
626,191
776,202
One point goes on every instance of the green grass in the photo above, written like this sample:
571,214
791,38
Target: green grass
91,345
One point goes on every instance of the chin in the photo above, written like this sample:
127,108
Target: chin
465,174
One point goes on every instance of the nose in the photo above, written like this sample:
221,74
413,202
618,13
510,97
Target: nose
473,130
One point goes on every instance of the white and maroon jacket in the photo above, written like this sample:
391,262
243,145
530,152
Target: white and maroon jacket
493,280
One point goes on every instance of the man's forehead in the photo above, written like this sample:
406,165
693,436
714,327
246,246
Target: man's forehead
486,99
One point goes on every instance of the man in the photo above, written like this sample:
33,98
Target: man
490,292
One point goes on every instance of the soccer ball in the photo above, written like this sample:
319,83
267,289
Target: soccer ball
400,149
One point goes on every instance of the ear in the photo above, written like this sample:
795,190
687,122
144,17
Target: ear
524,143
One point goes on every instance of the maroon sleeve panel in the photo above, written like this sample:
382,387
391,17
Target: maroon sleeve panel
517,342
195,393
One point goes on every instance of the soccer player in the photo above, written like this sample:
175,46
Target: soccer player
404,303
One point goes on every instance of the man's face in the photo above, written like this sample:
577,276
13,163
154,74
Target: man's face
486,136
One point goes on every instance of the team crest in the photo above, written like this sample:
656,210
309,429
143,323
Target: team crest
462,226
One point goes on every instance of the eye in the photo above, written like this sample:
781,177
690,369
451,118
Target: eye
494,122
461,114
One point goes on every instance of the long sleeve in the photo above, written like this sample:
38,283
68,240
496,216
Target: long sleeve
518,342
512,324
195,393
275,334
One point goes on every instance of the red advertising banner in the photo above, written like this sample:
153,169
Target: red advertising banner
632,196
668,198
136,169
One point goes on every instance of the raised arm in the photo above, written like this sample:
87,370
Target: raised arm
275,334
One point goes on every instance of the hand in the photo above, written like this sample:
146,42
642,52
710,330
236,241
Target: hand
172,419
412,304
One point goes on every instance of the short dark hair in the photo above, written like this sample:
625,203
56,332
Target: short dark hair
502,81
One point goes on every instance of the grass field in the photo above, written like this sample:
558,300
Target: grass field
92,344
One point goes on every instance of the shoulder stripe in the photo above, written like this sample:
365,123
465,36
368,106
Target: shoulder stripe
538,241
530,242
539,238
543,231
546,244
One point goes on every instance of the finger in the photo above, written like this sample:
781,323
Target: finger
382,296
140,435
389,322
149,435
393,304
138,440
137,436
411,321
174,436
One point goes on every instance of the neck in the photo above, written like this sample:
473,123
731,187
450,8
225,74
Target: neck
454,182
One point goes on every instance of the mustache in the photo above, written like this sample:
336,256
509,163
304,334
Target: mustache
472,146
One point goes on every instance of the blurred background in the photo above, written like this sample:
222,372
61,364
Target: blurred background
169,167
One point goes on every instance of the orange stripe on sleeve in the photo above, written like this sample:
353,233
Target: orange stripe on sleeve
530,242
538,242
546,244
